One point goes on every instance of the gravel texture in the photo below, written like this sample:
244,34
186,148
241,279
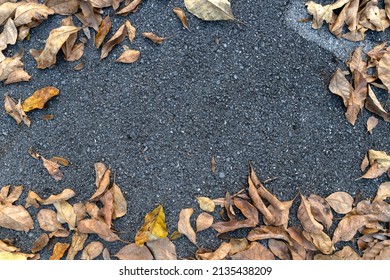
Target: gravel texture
255,92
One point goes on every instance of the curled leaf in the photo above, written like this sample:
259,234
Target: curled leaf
153,37
182,16
184,226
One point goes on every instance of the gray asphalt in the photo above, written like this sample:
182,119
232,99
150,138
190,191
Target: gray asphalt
260,95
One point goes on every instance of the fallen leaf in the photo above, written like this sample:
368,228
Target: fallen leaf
80,211
129,56
380,251
63,7
210,9
320,14
134,252
384,69
175,235
322,242
60,160
92,250
9,35
356,61
347,228
59,251
89,17
120,203
341,202
219,254
65,214
306,217
297,235
108,207
47,220
130,8
15,111
256,251
106,254
204,221
78,240
97,227
340,86
39,98
103,30
258,203
70,49
153,37
321,210
93,211
269,232
29,12
162,249
279,249
347,253
33,199
102,184
14,256
40,243
380,163
154,227
63,196
228,204
373,105
53,168
238,245
213,164
372,122
10,198
117,38
7,9
206,204
131,30
79,66
54,42
11,69
184,226
15,217
182,16
383,192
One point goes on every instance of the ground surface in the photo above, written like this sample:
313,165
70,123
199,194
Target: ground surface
260,95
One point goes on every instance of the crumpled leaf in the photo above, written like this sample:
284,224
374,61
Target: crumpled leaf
97,227
63,7
321,210
39,98
72,51
11,69
78,240
238,245
184,226
15,217
130,8
256,251
134,252
306,217
380,251
347,227
7,9
120,202
204,221
29,12
218,254
117,38
182,16
379,164
320,14
383,192
340,86
47,220
40,243
269,232
57,37
154,227
162,249
347,253
92,250
210,9
65,214
103,30
8,198
63,196
299,237
59,251
15,111
153,37
33,199
129,56
206,204
88,16
341,202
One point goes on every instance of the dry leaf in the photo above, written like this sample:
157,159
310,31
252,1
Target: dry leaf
93,211
134,252
340,86
210,9
80,211
9,35
33,199
204,221
120,203
269,232
15,256
238,245
213,164
256,251
15,217
97,227
40,243
347,227
65,214
131,30
53,168
15,111
380,251
322,242
258,203
79,66
63,7
154,227
365,163
89,17
380,163
184,225
357,98
106,254
102,184
129,56
7,246
341,202
162,249
297,235
78,240
373,105
29,12
279,249
108,207
182,16
47,117
321,210
71,50
104,28
7,10
11,197
11,69
383,192
320,14
63,196
384,70
130,8
54,42
60,160
372,122
206,204
117,38
39,98
219,254
92,250
47,220
153,37
59,250
306,217
347,253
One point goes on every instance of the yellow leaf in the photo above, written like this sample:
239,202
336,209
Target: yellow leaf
59,250
154,227
14,256
39,98
206,204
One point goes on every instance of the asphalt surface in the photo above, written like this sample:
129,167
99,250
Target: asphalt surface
258,95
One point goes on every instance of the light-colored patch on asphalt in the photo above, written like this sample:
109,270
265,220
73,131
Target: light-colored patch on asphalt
341,48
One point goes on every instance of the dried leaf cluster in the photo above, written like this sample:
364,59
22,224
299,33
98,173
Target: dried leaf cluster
355,86
355,16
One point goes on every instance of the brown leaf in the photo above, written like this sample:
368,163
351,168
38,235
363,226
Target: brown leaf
347,253
279,249
39,98
11,69
356,61
71,50
320,14
206,204
79,66
129,56
103,30
117,38
33,199
219,254
297,235
60,160
120,203
322,242
383,192
373,105
54,42
7,10
59,233
153,37
340,86
80,211
15,111
65,214
269,232
238,245
212,164
210,10
89,17
380,163
78,240
258,202
184,225
9,35
306,217
97,227
59,250
384,70
15,217
228,204
93,211
380,251
63,7
29,12
347,227
92,250
256,251
372,122
47,220
131,30
182,16
130,8
134,252
321,210
53,168
102,185
40,243
204,221
341,202
11,197
106,254
63,196
108,207
162,249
